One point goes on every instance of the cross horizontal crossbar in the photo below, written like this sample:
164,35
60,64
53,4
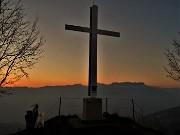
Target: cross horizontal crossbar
77,28
108,33
88,30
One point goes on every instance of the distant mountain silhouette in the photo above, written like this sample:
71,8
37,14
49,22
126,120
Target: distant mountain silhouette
128,83
102,84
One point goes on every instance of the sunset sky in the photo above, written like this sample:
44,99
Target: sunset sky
147,27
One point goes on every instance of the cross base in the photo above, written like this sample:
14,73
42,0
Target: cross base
92,108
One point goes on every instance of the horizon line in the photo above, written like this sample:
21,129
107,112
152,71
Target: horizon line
61,85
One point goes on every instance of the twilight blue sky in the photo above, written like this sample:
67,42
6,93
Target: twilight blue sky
146,27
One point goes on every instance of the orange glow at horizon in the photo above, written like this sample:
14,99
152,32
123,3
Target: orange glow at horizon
42,84
36,83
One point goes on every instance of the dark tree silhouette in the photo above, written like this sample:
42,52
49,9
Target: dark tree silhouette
173,58
20,42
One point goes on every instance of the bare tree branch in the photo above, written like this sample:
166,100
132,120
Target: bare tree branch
20,42
173,58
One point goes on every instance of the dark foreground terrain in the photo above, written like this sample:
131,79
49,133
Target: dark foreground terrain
167,121
73,125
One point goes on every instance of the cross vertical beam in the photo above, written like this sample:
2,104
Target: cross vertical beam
92,87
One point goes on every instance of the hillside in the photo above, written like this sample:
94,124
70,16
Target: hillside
6,128
167,120
111,125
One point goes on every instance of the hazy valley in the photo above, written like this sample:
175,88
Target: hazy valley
147,100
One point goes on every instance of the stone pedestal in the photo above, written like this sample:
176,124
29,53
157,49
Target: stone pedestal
92,108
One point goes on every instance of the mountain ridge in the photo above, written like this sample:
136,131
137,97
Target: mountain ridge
99,84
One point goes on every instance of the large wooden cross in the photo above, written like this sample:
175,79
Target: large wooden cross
93,30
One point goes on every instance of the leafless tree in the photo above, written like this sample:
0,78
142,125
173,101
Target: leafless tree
173,57
20,42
